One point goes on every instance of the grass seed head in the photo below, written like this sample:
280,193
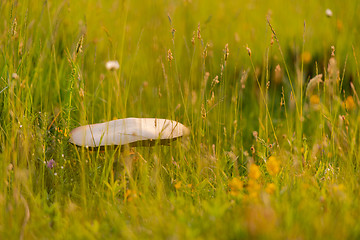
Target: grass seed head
203,111
313,83
14,28
215,81
199,32
211,101
248,50
193,38
226,52
170,56
79,45
278,75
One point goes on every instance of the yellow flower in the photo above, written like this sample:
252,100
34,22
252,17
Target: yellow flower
306,57
270,188
349,103
177,185
273,166
235,185
314,99
253,188
254,172
130,195
339,25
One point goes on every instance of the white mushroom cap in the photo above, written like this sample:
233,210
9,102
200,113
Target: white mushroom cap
127,131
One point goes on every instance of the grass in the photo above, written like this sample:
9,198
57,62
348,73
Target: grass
264,159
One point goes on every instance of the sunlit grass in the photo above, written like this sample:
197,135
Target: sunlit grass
273,146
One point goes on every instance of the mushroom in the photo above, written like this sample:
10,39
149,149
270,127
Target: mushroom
128,131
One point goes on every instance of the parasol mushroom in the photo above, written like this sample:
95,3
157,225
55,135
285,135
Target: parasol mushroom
128,131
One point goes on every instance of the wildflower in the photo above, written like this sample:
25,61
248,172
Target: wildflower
339,25
252,149
270,188
328,12
112,65
130,195
306,57
235,185
349,103
253,188
51,164
254,172
177,185
273,166
314,99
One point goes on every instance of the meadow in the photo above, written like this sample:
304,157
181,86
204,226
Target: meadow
269,90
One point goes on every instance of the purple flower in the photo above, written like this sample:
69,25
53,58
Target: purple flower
51,164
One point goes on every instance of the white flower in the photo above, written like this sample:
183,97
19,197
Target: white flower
328,12
112,65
